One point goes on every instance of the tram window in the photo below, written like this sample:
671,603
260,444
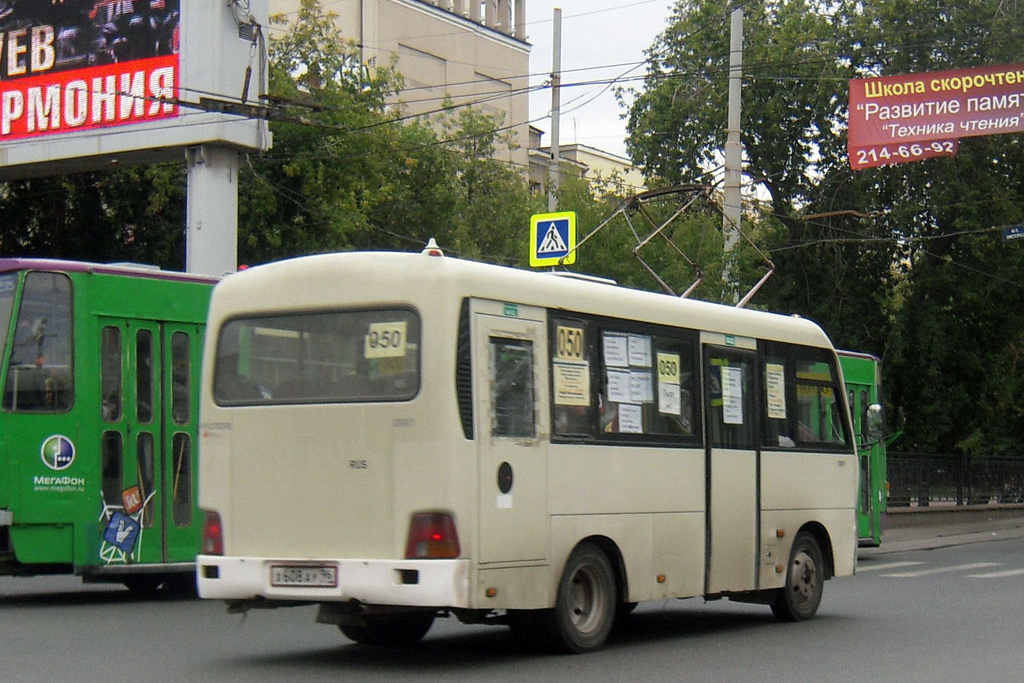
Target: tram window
144,376
181,370
147,475
110,373
181,489
112,468
512,390
39,375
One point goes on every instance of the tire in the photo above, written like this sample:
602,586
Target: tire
389,629
585,605
805,579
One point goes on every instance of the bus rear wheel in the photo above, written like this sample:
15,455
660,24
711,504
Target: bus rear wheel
389,629
585,605
805,579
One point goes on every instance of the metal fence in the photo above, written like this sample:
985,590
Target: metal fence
925,478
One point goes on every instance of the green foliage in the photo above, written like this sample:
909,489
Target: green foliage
903,261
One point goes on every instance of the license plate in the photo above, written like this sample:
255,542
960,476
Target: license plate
309,576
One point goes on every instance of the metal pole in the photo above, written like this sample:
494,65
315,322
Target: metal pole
732,207
554,169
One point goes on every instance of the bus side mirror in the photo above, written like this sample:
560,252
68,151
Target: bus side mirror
876,422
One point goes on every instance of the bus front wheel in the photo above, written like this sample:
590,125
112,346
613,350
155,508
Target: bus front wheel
585,605
798,600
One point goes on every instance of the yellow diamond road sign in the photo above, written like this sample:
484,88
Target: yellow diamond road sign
553,238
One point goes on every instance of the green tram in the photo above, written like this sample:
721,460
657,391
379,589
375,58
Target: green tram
862,374
100,376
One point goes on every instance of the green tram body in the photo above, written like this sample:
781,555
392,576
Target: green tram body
100,380
862,376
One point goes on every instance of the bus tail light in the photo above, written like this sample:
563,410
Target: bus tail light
432,535
213,534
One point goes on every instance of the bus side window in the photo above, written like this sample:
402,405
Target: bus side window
512,390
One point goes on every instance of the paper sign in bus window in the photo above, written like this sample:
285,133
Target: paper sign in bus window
569,343
668,384
639,351
385,340
641,389
732,396
775,381
616,350
631,419
619,387
572,383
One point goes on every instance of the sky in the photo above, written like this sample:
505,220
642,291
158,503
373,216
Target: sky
602,40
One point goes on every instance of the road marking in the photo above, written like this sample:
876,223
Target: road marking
888,565
944,570
998,575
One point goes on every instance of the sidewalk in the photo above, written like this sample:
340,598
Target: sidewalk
942,526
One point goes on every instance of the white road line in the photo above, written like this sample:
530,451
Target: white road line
887,565
998,575
944,570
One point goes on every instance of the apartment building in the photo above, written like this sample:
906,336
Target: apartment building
468,51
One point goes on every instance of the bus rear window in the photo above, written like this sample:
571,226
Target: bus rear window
318,357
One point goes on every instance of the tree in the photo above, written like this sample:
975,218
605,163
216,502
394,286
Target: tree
901,261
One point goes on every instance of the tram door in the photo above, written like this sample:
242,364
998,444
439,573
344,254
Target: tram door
148,413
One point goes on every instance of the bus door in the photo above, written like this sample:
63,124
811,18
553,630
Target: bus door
730,391
146,448
509,368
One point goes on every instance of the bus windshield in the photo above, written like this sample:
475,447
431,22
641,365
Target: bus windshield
330,357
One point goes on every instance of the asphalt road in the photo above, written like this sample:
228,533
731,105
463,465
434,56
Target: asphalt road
940,604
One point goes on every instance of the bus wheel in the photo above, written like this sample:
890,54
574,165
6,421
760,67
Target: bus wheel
586,602
799,599
389,629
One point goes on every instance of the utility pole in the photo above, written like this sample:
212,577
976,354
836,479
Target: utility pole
732,207
554,169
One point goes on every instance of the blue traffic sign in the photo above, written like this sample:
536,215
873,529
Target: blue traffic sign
553,238
1014,232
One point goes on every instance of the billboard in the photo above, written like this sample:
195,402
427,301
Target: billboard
894,119
86,64
86,83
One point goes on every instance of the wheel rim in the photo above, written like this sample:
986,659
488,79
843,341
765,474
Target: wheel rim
804,577
587,599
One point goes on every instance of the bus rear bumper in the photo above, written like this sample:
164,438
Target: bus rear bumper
408,583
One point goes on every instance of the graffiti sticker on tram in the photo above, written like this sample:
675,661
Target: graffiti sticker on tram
57,452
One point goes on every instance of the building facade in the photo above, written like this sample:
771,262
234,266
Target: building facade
461,51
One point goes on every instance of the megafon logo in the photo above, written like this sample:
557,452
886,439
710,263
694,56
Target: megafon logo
57,452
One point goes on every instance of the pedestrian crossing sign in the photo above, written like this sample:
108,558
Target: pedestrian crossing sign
553,238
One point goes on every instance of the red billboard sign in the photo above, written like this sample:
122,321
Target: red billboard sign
83,64
915,116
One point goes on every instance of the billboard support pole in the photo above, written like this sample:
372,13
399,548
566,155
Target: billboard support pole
211,207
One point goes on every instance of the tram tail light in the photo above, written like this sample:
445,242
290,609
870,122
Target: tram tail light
432,535
213,534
